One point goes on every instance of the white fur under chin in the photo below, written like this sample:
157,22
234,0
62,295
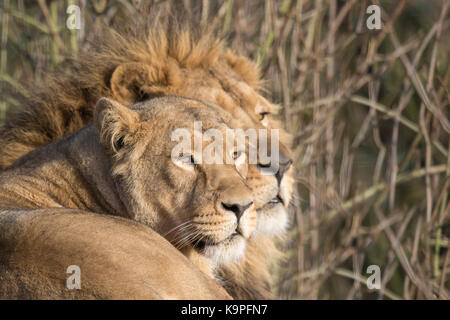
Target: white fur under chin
226,252
272,221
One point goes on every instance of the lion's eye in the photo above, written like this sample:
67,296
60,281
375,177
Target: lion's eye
262,115
237,155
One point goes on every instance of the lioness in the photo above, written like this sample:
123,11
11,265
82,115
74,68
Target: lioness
148,59
123,166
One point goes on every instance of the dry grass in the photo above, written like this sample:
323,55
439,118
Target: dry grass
369,111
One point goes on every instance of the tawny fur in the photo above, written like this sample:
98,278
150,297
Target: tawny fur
153,59
118,259
87,172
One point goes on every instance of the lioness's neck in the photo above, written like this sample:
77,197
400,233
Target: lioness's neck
72,173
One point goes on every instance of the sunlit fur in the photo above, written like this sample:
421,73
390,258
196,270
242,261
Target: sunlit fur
183,204
122,166
153,58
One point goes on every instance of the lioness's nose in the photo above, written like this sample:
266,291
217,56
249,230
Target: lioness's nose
236,208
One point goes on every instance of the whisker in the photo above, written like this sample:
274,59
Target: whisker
186,239
176,227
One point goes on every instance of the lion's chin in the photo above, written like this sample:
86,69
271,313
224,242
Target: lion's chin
230,250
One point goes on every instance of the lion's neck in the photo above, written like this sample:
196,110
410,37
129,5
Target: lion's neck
70,173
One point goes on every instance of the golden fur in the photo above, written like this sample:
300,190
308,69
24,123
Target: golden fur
118,259
156,59
124,166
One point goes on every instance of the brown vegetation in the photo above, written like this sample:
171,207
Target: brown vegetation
369,110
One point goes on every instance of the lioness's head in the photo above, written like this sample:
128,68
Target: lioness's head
209,206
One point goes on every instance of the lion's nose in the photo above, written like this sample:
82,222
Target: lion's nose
237,208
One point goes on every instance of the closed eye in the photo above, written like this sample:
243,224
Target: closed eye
186,159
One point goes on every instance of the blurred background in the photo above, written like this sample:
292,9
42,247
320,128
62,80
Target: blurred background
369,111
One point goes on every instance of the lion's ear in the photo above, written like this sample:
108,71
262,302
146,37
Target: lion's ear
117,124
132,82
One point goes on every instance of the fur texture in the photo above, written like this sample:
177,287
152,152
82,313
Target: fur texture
156,59
118,259
89,172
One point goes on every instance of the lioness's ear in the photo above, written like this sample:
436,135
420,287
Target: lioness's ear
133,82
117,125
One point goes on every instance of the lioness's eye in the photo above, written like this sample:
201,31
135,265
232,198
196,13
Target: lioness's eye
186,159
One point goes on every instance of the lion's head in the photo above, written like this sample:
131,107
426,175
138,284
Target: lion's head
191,202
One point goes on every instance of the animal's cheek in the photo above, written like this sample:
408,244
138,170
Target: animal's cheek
213,227
258,181
263,193
201,203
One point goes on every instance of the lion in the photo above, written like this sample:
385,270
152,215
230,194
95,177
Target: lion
156,59
124,165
